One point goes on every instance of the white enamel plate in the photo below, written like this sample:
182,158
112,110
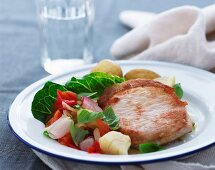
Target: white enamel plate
198,86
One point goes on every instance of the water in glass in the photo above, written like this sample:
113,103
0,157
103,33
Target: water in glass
66,34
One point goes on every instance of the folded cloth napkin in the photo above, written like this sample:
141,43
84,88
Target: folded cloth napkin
177,35
60,164
204,160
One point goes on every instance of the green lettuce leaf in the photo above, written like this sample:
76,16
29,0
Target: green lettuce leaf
110,118
149,147
93,82
178,90
108,115
85,116
77,134
44,99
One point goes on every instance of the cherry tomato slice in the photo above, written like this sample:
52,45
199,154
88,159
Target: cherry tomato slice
67,141
95,148
103,127
68,97
55,117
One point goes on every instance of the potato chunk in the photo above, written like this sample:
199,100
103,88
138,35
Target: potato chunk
141,73
115,143
109,67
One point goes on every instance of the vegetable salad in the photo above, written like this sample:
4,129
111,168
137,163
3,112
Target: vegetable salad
73,118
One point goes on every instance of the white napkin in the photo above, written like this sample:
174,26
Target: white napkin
177,35
204,160
60,164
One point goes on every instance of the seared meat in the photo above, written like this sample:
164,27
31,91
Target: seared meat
148,110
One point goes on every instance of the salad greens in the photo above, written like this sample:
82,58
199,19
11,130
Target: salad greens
85,116
108,115
178,90
92,85
93,82
44,99
149,147
110,118
77,134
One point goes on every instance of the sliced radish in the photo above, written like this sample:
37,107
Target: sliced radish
59,128
89,104
85,144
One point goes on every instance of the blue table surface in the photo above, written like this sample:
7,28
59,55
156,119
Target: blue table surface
20,59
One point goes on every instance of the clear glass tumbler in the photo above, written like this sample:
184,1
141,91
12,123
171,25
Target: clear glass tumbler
66,33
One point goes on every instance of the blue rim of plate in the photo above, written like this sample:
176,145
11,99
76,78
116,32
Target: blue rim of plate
115,163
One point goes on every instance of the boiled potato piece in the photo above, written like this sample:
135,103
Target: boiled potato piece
141,73
115,143
169,81
109,67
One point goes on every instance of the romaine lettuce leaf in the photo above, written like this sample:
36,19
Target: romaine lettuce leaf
93,82
44,99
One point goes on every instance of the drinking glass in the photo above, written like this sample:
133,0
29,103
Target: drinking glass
65,33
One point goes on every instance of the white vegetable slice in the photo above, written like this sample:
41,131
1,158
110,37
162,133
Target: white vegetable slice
59,128
96,134
169,81
115,143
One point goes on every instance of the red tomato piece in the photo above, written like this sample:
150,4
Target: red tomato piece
70,102
95,148
68,97
67,141
55,117
103,127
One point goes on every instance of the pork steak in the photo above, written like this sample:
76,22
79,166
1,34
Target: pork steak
149,111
